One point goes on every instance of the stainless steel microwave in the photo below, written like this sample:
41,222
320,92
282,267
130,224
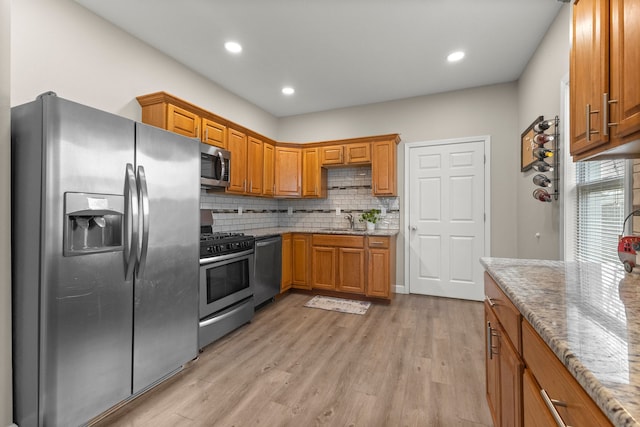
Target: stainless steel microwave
215,165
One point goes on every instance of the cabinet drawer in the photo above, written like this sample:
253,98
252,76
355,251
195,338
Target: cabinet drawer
551,375
340,240
507,313
378,242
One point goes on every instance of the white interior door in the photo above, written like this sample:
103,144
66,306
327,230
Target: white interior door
446,190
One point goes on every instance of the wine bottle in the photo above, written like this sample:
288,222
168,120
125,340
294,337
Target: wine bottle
542,180
542,166
542,126
542,153
542,195
542,138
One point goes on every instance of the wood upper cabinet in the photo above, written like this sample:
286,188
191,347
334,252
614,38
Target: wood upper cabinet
183,122
346,154
381,266
338,263
214,133
383,168
255,166
314,177
288,172
237,145
301,261
269,170
605,90
287,262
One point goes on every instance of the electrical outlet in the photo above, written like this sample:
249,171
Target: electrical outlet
289,211
337,211
239,210
383,211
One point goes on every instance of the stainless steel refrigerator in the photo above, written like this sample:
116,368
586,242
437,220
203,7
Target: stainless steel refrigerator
105,259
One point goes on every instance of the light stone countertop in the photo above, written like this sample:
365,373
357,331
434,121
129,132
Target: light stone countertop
589,315
262,232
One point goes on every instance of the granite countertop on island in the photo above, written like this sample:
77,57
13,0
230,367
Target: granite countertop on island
589,315
261,232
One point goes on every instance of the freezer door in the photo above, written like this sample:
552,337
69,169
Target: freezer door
166,283
86,303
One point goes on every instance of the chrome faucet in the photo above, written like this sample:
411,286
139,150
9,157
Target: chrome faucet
350,218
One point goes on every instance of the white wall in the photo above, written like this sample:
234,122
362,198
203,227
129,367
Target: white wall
489,110
6,415
60,46
539,94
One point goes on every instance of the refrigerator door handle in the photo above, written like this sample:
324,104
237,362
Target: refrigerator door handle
131,222
144,204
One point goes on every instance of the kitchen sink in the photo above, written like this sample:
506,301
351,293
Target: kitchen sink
341,229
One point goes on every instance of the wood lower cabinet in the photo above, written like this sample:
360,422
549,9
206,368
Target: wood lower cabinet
381,268
504,365
338,263
287,263
288,173
301,261
549,378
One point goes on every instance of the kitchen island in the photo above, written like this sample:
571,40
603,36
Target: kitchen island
588,315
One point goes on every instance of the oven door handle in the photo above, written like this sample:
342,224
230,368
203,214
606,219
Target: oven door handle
219,258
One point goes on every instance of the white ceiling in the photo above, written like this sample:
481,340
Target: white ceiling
339,53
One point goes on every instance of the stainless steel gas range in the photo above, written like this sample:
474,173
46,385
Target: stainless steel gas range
226,289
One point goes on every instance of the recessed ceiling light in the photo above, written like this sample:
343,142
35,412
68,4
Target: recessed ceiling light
233,47
455,56
288,90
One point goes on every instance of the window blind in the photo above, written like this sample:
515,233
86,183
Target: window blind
599,210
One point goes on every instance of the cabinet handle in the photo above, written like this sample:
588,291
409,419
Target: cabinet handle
490,302
551,404
605,114
376,243
491,349
245,186
197,135
250,186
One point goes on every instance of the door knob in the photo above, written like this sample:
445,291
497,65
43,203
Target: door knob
413,228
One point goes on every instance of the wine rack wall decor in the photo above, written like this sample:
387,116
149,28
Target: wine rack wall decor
540,152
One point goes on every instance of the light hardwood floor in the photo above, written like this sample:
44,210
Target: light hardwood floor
416,362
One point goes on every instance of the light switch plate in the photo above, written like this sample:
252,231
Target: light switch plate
383,211
337,211
239,210
289,210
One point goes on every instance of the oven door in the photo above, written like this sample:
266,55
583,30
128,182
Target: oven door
214,167
225,280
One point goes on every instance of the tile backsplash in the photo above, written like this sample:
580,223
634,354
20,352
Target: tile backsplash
349,189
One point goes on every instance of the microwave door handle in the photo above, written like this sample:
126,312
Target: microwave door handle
224,168
131,222
144,208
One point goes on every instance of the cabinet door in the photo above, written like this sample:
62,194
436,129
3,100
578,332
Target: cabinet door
378,273
268,172
287,258
351,276
301,261
288,174
324,268
358,153
625,63
332,155
511,368
491,338
589,73
383,168
313,182
535,412
183,122
214,133
255,164
237,142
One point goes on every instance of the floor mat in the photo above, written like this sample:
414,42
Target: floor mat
338,304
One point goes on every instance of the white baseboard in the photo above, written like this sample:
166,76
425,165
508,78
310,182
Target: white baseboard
401,289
